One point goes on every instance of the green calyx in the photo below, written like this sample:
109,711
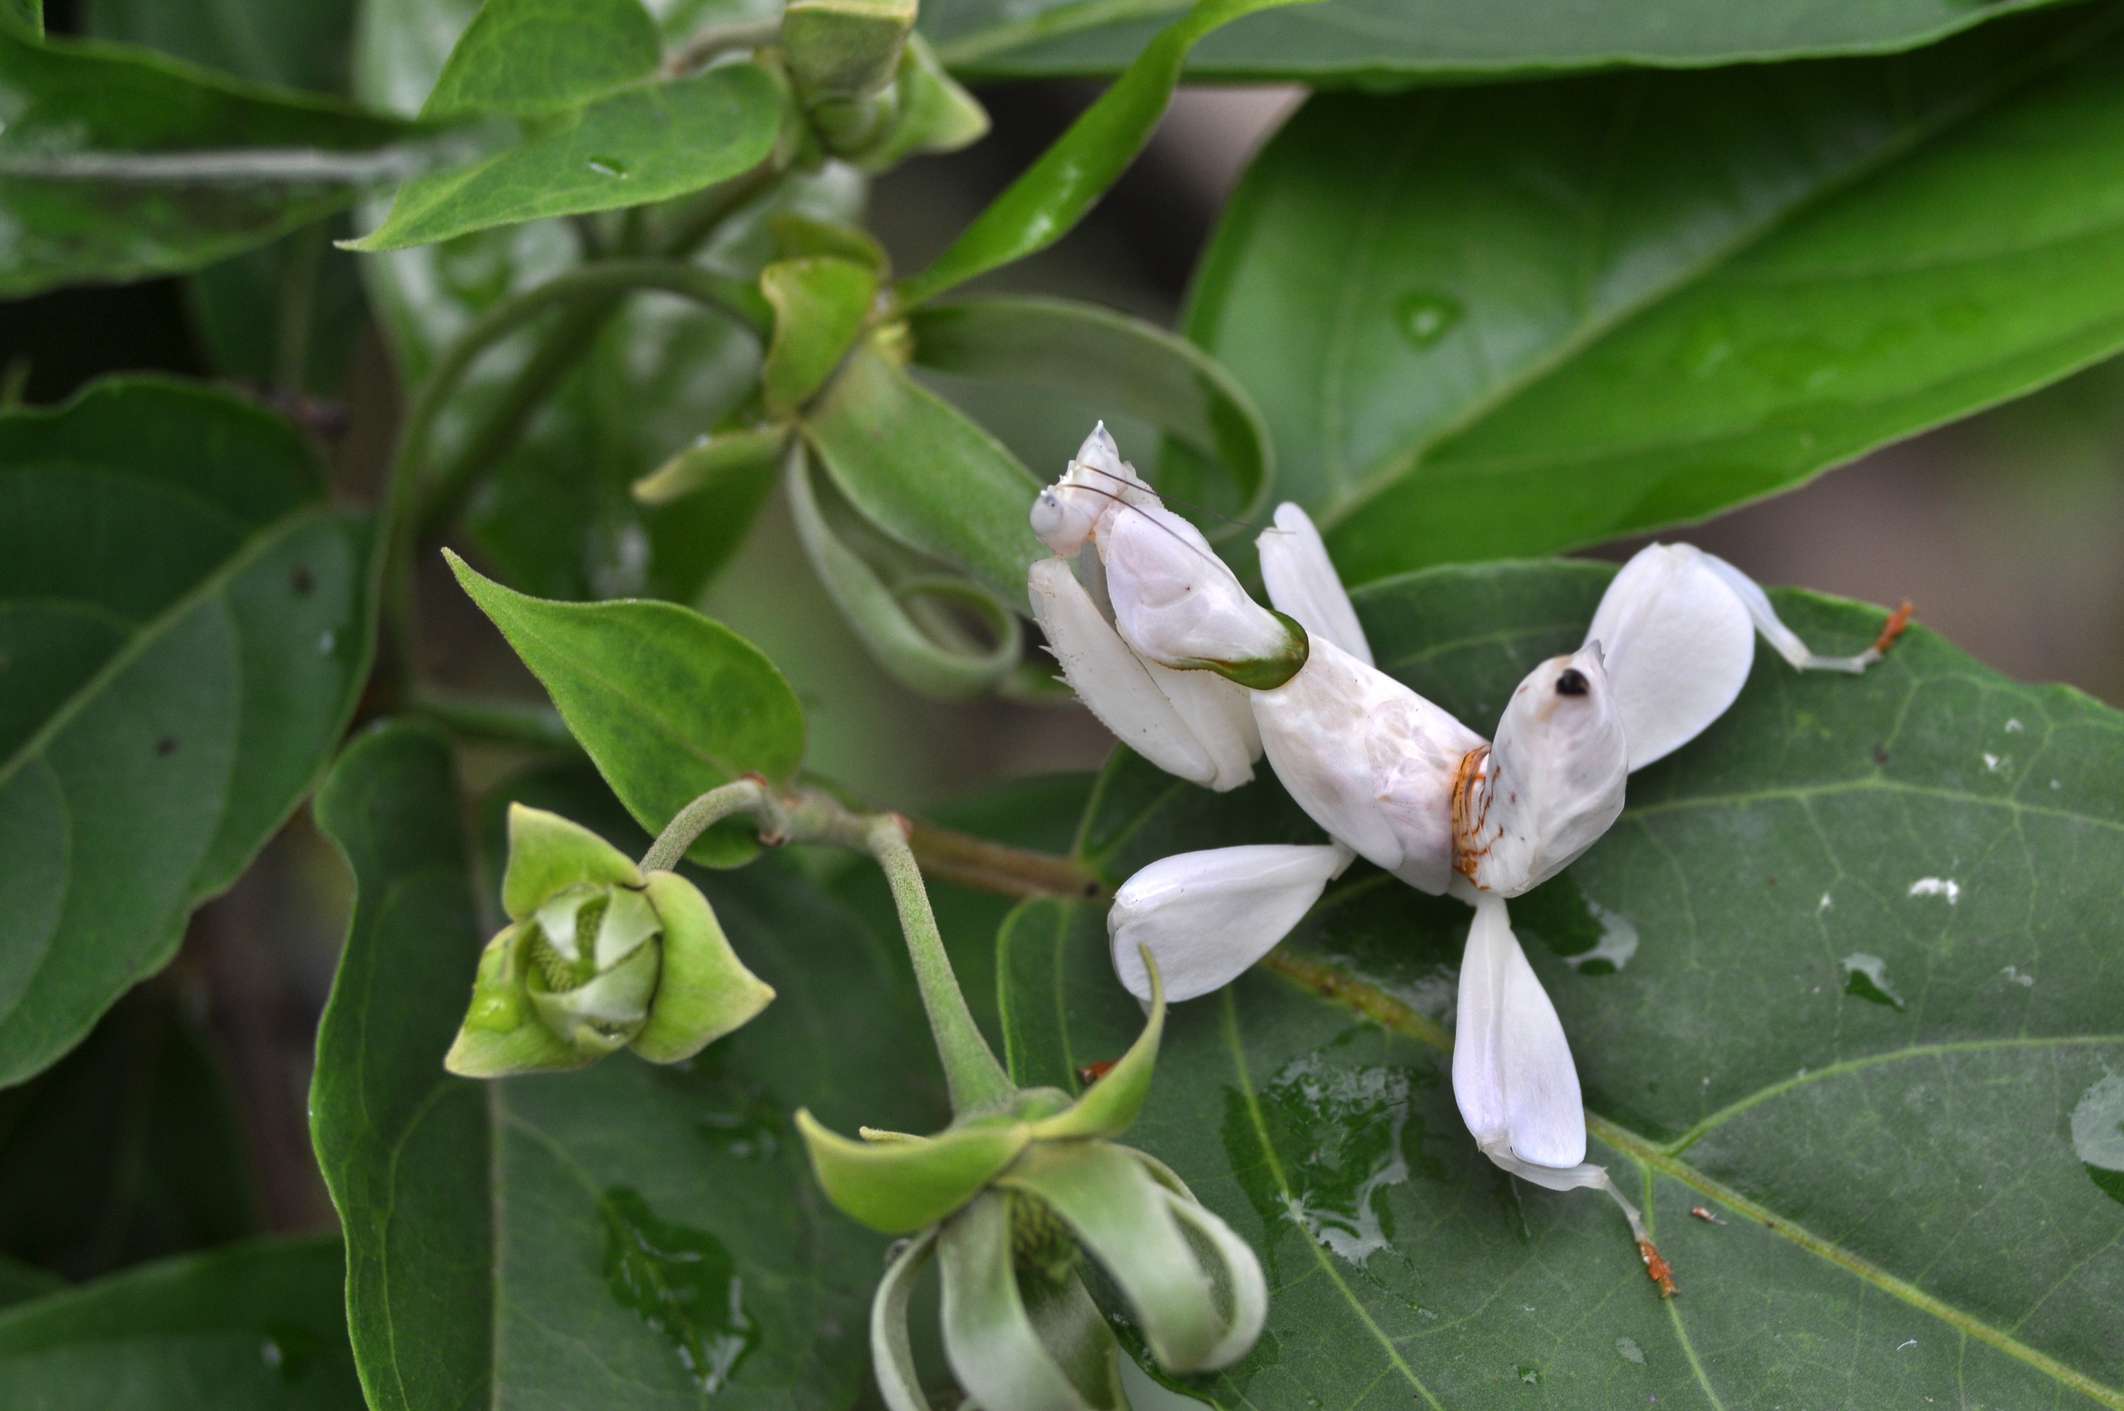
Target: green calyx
871,88
897,1184
597,957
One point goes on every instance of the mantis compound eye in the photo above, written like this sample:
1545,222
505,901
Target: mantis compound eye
1060,521
1572,682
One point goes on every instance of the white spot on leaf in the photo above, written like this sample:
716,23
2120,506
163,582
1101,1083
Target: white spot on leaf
1938,887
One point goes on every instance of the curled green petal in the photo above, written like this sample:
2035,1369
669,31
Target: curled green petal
897,1187
1121,1215
502,1033
1235,1279
821,304
605,1012
1000,1354
704,991
548,854
935,113
891,1350
1110,1104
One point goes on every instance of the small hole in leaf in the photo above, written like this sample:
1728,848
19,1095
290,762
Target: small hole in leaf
166,746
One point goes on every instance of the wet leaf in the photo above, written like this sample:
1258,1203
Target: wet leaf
553,514
643,145
667,703
1691,291
187,628
252,1327
117,164
1909,1187
664,1216
525,57
1379,43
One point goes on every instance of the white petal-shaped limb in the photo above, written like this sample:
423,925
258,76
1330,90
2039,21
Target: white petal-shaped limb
1208,747
1677,626
1206,916
1513,1077
1677,643
1302,582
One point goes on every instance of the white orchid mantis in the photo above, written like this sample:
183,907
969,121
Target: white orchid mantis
1388,775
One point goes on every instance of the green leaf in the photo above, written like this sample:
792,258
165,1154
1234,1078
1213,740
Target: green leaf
145,1093
1054,193
1698,291
187,625
555,516
919,470
21,1282
525,57
295,46
820,306
29,14
1902,1168
667,703
1119,363
1376,44
253,1327
664,1216
639,146
118,164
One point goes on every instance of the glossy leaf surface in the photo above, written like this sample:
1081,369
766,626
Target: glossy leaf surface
643,145
1054,193
664,1216
1685,291
554,515
117,164
252,1327
1377,43
1845,976
186,629
668,703
535,56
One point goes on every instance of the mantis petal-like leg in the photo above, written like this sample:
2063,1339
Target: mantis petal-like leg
1302,582
1111,680
1677,644
1206,916
1784,640
1513,1077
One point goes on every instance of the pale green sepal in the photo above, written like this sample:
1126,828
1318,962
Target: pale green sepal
882,618
891,1349
841,49
936,114
996,1352
899,1187
501,1034
712,461
821,304
1109,1105
797,235
705,991
548,853
1235,1279
604,1013
1077,1335
1118,1213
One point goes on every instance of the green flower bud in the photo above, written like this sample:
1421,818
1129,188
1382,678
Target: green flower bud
844,57
597,957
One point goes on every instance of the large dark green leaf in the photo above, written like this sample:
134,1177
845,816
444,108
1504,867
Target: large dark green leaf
253,1327
129,1148
1488,321
115,163
535,56
555,516
186,625
296,46
1846,975
627,1235
667,703
1375,43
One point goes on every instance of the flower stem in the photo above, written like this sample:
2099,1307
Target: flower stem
971,1072
746,795
997,867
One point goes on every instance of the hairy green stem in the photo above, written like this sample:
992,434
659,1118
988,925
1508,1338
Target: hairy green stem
746,795
726,37
975,1079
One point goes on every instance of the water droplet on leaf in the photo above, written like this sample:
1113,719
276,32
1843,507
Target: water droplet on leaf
2098,1134
608,166
1424,318
682,1283
1866,976
1630,1351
